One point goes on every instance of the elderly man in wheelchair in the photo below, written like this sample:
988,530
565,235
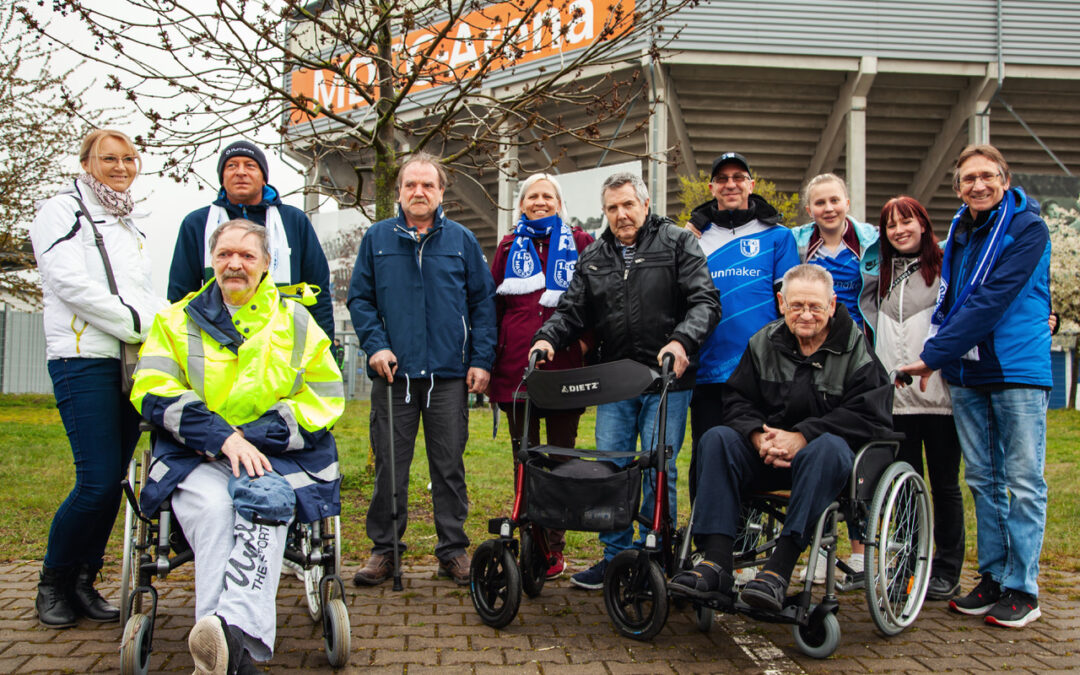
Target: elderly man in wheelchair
244,388
807,393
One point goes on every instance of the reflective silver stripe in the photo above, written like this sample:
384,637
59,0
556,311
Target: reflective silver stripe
298,383
300,328
196,360
175,412
303,479
331,389
161,364
296,441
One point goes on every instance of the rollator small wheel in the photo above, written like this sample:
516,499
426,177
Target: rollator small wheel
533,564
135,646
704,618
820,638
495,583
338,633
635,595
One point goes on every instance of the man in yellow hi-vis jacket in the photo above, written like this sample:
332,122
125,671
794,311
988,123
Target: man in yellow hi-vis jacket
244,384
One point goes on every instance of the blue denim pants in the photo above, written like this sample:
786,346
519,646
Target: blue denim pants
618,427
102,428
1003,438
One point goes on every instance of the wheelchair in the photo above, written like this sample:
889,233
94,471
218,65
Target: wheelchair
584,494
886,500
154,546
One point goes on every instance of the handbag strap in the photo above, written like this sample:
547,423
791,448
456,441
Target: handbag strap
99,241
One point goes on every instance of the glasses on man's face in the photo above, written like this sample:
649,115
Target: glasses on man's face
798,308
988,179
113,160
737,178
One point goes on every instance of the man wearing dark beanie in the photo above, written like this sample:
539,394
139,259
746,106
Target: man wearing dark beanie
295,253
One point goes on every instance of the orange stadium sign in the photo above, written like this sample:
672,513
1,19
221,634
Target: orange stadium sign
519,33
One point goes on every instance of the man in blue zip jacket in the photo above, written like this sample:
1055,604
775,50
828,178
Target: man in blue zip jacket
422,302
990,339
295,253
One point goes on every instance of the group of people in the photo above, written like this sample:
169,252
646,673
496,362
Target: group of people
240,377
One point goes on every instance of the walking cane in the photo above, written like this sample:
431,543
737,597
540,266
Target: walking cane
393,481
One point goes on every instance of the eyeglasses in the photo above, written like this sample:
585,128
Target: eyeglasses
737,178
988,179
799,308
113,160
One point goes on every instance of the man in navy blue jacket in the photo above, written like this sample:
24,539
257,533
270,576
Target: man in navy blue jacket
422,304
295,253
991,341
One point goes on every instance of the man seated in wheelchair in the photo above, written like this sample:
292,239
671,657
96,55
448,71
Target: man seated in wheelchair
807,392
244,384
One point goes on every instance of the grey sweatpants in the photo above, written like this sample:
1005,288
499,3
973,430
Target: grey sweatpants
237,563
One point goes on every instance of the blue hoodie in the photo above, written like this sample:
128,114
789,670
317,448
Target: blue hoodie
1004,319
307,262
430,300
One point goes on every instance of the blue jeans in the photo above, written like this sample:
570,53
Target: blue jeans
1003,438
102,428
618,427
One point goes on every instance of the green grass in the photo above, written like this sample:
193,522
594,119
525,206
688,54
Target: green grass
36,472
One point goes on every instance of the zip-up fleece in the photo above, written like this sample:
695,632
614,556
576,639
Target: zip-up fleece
839,389
430,299
83,319
636,308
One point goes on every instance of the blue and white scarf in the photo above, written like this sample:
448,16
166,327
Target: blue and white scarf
523,270
988,256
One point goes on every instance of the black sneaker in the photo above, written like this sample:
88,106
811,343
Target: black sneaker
1015,609
981,598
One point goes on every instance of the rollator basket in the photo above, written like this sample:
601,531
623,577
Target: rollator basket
580,494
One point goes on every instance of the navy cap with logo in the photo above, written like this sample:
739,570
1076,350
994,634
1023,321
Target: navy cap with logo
729,158
243,149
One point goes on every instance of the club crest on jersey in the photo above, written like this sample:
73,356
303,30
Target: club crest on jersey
749,247
522,264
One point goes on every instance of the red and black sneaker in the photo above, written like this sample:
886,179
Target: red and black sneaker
981,598
1015,609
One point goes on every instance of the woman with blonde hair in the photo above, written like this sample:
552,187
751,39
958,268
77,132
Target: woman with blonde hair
96,288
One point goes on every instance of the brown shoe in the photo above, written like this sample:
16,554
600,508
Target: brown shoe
377,570
456,568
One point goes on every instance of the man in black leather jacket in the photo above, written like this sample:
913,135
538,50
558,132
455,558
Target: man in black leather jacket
643,288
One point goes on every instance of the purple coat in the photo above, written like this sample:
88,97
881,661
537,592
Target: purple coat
518,317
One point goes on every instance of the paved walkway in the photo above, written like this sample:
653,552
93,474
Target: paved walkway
431,627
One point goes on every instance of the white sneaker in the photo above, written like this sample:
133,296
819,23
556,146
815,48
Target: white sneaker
856,562
819,572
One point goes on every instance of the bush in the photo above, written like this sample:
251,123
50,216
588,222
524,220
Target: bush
1064,227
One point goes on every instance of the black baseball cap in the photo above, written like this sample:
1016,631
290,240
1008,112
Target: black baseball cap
729,158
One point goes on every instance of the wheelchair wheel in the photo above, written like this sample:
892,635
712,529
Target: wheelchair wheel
337,633
495,583
704,616
135,646
304,537
820,638
898,560
533,564
756,527
135,534
635,595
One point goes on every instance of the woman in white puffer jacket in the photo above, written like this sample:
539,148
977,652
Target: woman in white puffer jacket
85,323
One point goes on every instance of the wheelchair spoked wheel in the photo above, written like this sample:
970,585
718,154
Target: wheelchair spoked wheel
820,637
898,562
533,563
135,534
635,595
135,646
495,583
313,575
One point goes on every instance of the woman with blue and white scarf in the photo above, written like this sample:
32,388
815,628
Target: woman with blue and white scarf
532,267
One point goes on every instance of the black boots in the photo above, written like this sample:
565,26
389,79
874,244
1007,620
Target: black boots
53,606
66,594
87,601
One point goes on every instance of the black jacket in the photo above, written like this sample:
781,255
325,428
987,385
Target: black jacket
840,389
665,293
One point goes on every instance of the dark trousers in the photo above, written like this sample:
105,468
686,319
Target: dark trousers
443,406
937,434
729,468
102,428
562,426
706,412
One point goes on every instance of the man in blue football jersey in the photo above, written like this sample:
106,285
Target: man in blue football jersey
748,252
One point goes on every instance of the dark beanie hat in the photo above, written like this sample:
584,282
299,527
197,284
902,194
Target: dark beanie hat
242,149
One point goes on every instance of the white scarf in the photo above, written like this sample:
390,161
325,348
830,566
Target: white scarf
280,266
